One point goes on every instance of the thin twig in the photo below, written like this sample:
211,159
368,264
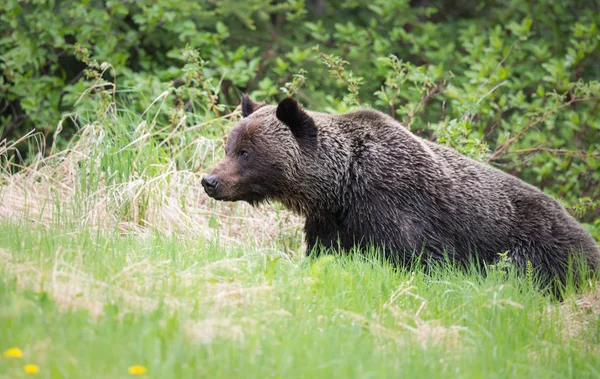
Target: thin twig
507,144
576,153
430,93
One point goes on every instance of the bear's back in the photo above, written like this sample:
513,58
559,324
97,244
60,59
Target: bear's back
484,208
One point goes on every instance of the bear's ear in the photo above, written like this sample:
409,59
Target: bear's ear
249,106
300,123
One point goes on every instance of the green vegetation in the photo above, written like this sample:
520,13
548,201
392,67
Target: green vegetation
112,256
91,305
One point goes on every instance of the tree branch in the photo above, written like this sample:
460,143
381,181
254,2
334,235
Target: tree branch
498,152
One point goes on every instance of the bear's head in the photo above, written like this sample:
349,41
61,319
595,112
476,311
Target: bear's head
264,153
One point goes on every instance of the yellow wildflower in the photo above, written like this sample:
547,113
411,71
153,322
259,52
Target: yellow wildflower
13,352
31,369
137,370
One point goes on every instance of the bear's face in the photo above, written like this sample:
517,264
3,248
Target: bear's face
263,153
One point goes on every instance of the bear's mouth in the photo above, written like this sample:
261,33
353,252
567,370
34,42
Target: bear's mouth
235,195
222,198
219,197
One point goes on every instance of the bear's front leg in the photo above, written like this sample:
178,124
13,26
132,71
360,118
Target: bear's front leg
321,235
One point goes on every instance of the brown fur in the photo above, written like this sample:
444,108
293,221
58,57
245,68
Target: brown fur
363,179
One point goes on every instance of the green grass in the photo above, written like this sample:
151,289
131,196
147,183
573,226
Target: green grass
111,255
84,304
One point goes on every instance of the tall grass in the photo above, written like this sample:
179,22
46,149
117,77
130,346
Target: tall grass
125,172
90,305
111,256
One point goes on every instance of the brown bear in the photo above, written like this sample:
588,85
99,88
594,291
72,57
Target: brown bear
362,179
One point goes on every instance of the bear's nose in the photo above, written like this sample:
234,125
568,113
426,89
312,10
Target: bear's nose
210,183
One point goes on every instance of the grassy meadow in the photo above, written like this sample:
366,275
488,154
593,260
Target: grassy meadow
114,263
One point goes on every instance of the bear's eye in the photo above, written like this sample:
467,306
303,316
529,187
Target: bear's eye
243,154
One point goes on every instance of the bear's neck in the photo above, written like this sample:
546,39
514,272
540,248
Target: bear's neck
320,181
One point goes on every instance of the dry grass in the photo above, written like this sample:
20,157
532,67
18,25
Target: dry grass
209,287
580,315
425,333
207,330
171,202
72,288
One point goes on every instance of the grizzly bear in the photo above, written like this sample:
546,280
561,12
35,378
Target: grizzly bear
361,179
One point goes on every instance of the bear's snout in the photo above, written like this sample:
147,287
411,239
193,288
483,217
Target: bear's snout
210,184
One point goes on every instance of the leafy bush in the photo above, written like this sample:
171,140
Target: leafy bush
511,83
